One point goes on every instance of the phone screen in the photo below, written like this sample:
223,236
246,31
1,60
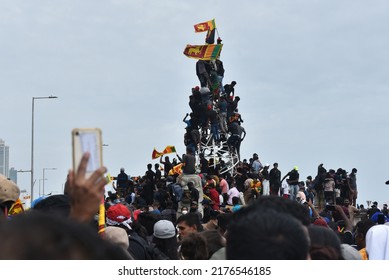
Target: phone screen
87,140
330,207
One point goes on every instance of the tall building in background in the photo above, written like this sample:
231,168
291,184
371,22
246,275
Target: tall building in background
4,159
13,175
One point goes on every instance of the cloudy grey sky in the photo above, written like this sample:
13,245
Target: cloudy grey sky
312,77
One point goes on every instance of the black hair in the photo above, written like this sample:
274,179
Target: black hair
215,241
268,235
168,246
282,205
39,236
325,244
194,247
191,219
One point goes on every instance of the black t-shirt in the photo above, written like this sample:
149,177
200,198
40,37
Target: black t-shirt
204,165
189,164
213,117
167,167
122,180
195,195
151,175
294,177
234,128
275,177
158,175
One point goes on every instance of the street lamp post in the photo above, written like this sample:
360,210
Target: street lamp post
43,189
32,141
40,180
22,171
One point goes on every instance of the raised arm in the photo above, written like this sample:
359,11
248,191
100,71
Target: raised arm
179,158
85,193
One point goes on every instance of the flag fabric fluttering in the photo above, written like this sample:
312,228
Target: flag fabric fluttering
156,154
167,150
205,26
177,169
203,52
210,27
16,208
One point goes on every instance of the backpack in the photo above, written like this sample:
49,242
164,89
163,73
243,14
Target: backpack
155,253
150,251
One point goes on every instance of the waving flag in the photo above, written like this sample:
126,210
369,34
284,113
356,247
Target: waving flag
169,150
156,154
205,26
16,208
203,52
177,169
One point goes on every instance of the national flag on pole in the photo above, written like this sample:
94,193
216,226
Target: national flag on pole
205,26
203,52
156,154
169,150
101,219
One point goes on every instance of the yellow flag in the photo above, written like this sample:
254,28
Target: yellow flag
109,178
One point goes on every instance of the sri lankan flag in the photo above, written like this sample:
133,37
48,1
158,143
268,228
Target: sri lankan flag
203,52
176,169
169,150
156,154
101,220
205,26
16,208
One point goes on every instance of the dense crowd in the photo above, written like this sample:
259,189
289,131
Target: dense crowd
194,207
157,217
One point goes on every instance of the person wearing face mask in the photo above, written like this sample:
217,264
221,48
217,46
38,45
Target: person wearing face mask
184,210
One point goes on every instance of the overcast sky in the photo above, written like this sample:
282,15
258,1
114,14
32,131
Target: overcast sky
312,77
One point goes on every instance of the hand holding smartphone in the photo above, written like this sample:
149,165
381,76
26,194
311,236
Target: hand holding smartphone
87,140
330,207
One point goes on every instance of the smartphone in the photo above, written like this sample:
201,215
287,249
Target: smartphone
87,140
330,207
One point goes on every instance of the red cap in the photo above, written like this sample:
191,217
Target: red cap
118,213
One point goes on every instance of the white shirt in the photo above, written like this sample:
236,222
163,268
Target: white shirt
285,187
231,193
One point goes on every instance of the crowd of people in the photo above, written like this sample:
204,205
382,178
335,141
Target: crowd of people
190,208
156,217
214,111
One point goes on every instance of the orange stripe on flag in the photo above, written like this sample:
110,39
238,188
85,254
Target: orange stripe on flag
203,52
169,150
156,154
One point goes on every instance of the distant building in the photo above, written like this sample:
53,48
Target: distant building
4,159
13,175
